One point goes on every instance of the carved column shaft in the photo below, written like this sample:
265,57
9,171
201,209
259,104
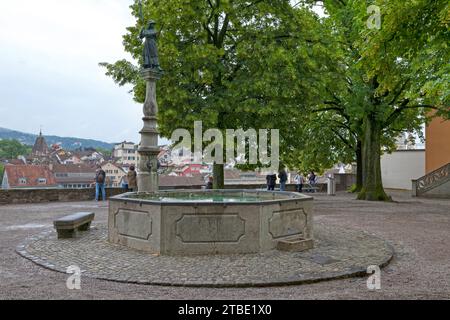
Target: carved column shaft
147,174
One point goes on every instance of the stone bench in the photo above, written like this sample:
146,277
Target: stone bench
68,226
307,187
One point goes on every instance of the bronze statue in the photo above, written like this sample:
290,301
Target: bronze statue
150,48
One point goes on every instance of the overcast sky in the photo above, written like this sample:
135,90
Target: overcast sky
49,73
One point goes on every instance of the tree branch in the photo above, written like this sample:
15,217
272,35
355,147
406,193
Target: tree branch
397,112
399,91
345,141
224,30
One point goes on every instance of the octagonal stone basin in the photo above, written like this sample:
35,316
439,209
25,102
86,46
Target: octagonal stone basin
192,222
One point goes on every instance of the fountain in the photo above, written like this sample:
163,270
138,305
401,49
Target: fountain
204,221
187,222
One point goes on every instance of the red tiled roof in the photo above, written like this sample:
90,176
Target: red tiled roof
15,161
31,173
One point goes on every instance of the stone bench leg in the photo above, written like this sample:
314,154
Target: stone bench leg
66,233
84,227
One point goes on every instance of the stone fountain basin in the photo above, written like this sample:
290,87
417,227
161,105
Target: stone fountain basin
188,222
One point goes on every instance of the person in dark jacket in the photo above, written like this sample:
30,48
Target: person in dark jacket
282,175
312,180
100,177
271,180
209,185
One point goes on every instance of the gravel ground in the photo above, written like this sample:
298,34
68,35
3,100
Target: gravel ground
418,229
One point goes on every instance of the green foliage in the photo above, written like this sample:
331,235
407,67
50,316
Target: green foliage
353,188
329,85
105,152
2,169
11,149
391,80
230,64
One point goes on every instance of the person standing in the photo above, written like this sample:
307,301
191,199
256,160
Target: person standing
132,179
125,183
312,181
100,177
282,175
209,184
271,180
299,181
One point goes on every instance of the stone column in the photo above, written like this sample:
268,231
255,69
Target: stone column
147,174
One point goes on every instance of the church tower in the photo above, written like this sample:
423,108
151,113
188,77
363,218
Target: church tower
40,147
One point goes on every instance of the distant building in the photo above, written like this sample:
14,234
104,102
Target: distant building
73,176
19,161
234,176
40,148
114,174
406,141
126,153
164,156
70,159
89,156
437,144
27,176
192,169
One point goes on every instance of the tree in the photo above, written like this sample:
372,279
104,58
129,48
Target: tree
229,63
106,152
394,76
2,170
11,149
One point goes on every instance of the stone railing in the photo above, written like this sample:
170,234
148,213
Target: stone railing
24,196
431,180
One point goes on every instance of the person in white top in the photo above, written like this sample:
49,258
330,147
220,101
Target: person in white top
299,181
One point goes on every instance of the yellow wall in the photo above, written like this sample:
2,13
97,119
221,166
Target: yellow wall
437,144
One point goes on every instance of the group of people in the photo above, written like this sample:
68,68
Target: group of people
129,182
299,180
271,180
283,177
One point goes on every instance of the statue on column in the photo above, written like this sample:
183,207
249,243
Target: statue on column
151,60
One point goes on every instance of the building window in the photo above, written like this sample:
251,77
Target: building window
42,181
22,180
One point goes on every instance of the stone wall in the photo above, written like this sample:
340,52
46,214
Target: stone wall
22,196
395,174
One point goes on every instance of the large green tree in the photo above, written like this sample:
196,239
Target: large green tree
393,77
229,63
11,149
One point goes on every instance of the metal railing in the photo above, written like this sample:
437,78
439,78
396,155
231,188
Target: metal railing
431,180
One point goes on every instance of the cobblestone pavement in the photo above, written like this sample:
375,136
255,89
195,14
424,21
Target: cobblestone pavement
418,229
338,253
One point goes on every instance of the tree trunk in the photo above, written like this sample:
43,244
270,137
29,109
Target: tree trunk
372,185
359,165
218,174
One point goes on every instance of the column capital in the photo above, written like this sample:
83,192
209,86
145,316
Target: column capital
151,74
